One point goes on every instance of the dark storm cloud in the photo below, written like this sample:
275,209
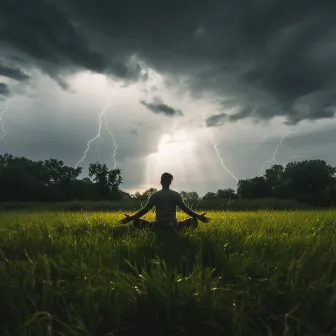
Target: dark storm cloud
50,40
13,73
266,55
216,120
161,108
4,91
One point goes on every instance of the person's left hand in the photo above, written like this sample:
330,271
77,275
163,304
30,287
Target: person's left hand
127,219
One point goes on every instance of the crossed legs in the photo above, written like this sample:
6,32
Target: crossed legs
178,225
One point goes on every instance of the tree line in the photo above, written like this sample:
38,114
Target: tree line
312,182
50,180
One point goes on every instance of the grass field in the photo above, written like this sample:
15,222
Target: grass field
246,273
134,205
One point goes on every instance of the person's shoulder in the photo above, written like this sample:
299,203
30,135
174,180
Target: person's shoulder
155,194
175,193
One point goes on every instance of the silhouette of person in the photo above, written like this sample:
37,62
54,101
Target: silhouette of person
165,202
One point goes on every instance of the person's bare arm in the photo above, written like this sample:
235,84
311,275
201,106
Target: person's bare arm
191,213
140,213
187,210
143,211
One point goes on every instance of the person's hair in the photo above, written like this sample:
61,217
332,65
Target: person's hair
166,179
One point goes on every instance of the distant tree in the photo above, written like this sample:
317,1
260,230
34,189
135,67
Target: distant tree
107,181
329,198
253,188
274,174
17,185
307,181
125,195
20,179
226,193
145,195
209,196
83,189
189,197
59,179
137,195
273,177
114,182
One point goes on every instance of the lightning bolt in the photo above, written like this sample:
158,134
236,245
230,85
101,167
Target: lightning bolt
114,143
217,151
276,148
99,150
1,121
101,116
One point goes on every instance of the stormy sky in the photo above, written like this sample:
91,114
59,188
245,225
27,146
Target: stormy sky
180,83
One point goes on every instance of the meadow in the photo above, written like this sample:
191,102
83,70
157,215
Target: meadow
134,205
244,273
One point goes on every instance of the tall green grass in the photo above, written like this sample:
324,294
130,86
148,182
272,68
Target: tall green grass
252,273
133,205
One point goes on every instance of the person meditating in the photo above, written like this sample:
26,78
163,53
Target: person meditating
165,202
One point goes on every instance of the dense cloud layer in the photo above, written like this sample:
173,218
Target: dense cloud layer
268,58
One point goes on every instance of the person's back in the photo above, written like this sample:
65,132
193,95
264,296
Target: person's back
165,202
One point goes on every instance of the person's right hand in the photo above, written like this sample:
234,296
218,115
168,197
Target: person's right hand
203,219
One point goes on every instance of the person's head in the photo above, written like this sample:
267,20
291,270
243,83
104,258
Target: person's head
166,180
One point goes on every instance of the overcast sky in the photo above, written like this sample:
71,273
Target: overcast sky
202,89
